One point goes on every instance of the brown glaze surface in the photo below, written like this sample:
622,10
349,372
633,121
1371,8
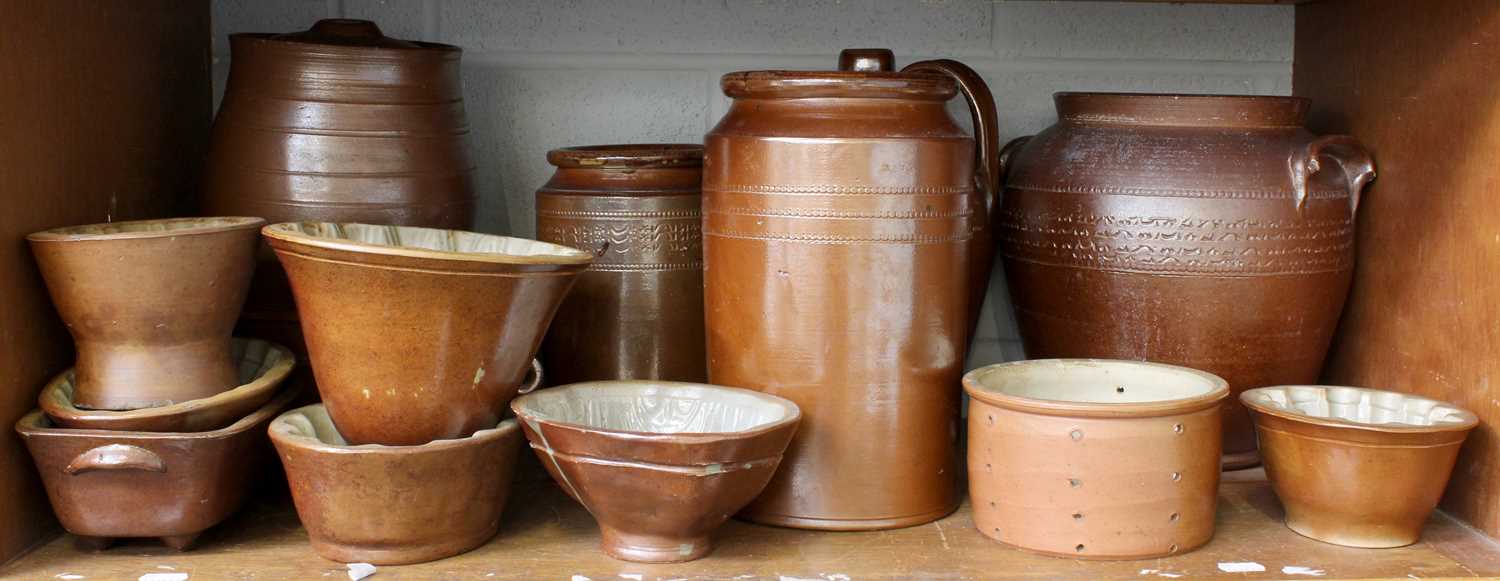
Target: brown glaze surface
840,209
150,304
418,334
109,484
659,464
392,505
1166,227
1095,459
1357,467
262,367
637,313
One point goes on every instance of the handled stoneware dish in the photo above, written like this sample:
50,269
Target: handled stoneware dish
1354,466
1095,459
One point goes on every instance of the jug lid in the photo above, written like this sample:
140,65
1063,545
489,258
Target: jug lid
634,156
348,33
863,73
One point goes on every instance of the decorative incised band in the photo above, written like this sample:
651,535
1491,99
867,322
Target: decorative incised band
837,190
607,267
632,243
841,215
623,215
1181,193
839,239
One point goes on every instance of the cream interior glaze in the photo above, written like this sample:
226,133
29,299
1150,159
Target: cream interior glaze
1087,381
434,239
656,407
1360,405
145,228
314,428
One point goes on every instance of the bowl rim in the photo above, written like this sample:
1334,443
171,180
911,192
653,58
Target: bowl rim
502,429
220,224
1247,397
518,406
1213,397
29,425
283,232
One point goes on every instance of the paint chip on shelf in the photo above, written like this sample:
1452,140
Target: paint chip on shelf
1297,570
68,576
164,577
1161,573
359,571
632,576
1242,567
581,578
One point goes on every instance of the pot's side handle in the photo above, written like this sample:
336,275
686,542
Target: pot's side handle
536,377
116,457
1353,159
987,173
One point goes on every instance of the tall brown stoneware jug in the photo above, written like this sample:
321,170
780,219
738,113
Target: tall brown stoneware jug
840,214
338,123
1203,231
637,312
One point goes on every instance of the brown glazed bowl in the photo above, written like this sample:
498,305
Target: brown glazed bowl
1357,467
659,464
150,304
263,366
420,334
110,484
1093,458
392,505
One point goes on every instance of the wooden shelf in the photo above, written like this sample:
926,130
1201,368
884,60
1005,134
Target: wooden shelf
545,535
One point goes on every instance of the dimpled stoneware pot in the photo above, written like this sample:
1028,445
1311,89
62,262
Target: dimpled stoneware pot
1357,467
638,311
107,484
150,304
263,366
392,505
1196,230
844,257
1095,459
419,334
659,464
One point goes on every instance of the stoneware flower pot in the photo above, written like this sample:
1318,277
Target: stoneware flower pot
391,505
660,465
150,304
420,334
110,484
263,366
1357,467
1095,459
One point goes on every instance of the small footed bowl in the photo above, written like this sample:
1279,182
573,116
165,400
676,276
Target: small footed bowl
659,464
263,366
1353,466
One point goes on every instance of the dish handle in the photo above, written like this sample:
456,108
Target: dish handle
116,457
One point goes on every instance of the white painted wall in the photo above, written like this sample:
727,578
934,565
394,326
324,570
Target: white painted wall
541,74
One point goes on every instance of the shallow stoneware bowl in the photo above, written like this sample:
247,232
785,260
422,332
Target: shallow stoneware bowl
1094,458
150,304
659,464
420,334
392,505
111,484
263,366
1353,466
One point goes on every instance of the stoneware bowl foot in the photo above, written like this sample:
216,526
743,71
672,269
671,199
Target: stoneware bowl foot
653,549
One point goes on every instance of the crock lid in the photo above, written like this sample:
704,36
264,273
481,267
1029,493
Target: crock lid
634,156
863,73
1166,109
345,32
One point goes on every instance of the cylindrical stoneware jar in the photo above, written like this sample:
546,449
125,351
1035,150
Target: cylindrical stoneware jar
840,210
337,123
1357,467
1192,230
1095,459
637,312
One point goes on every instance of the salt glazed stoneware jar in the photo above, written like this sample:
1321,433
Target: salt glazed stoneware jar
659,464
418,334
637,313
845,224
1197,230
1095,459
1357,467
151,305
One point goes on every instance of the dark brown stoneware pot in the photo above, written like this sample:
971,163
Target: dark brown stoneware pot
637,313
150,304
1191,230
337,123
840,272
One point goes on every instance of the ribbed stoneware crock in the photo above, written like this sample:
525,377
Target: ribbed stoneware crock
263,366
393,505
659,464
1095,459
637,313
150,304
1196,230
1353,466
106,484
845,254
419,334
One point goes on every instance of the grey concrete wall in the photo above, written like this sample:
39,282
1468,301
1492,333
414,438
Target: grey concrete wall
541,74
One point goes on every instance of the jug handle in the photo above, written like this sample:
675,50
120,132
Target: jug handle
1353,159
536,377
987,172
116,457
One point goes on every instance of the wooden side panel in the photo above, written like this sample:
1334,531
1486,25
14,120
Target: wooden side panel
104,114
1419,83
